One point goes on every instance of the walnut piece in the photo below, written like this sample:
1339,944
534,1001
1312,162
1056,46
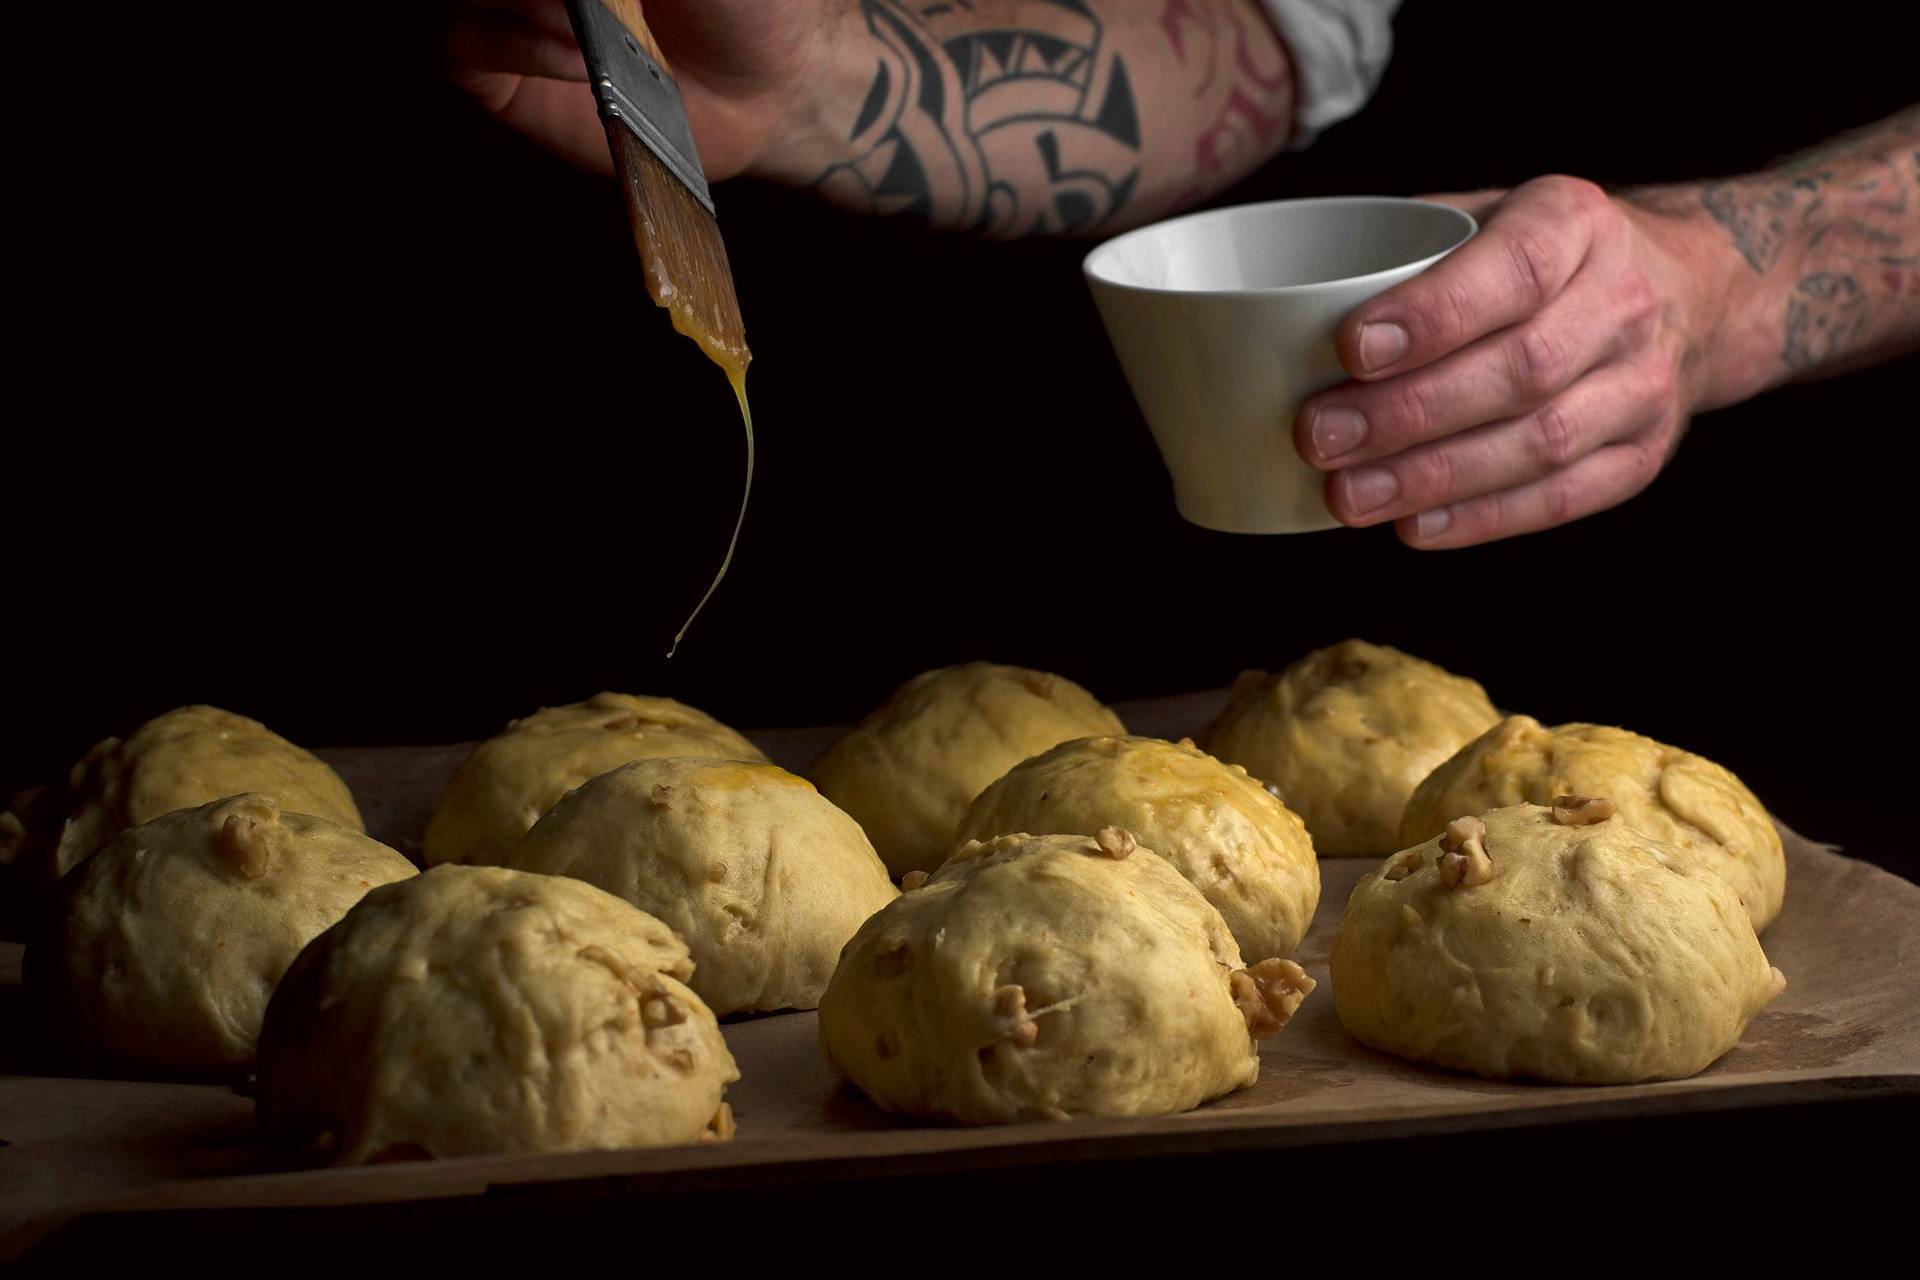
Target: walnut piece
1268,994
1038,683
1581,811
912,880
1114,842
1009,1005
660,795
658,1012
893,957
1463,859
1402,865
248,834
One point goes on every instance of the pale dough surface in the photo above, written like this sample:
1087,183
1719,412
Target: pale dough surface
516,776
1246,852
472,1010
909,770
1345,734
183,759
1594,955
758,873
1036,977
165,945
1674,796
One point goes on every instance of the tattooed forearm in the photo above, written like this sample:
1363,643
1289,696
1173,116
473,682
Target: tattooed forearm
1019,117
997,127
1824,318
1224,46
1837,230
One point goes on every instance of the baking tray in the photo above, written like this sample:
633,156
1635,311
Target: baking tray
1847,1026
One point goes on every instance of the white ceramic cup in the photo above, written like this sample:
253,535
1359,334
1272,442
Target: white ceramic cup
1224,323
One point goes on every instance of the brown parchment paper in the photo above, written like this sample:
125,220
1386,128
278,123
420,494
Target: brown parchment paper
1849,1022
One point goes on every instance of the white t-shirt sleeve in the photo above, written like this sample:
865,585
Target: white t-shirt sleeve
1340,49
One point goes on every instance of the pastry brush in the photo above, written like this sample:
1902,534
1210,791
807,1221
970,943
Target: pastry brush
659,168
668,204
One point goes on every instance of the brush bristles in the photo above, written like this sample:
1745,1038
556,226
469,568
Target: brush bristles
681,249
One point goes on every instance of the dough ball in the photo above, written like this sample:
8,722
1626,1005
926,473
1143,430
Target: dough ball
1551,944
514,777
1346,733
1673,796
761,877
908,772
183,759
1245,851
476,1009
1049,977
165,945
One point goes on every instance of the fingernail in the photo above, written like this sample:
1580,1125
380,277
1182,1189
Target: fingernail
1380,345
1431,524
1336,430
1370,488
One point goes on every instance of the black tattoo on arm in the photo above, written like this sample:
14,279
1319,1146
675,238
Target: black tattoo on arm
1845,219
1760,222
981,124
1824,316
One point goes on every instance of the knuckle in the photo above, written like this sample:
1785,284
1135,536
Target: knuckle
1637,308
1537,362
1415,411
1430,477
1558,498
1554,440
1484,519
1662,382
1447,313
1577,192
1534,266
1645,462
1637,296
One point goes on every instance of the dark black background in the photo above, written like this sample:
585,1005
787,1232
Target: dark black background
360,423
340,407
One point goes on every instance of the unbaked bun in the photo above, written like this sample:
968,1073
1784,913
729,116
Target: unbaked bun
472,1010
1229,836
1556,943
181,760
164,946
515,776
1674,796
761,877
909,770
1345,734
1048,977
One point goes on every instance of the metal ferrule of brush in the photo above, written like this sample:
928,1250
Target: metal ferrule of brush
637,91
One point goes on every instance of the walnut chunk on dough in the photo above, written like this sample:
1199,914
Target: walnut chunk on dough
163,947
1050,981
1269,994
478,1010
1595,955
185,758
1674,796
1247,853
